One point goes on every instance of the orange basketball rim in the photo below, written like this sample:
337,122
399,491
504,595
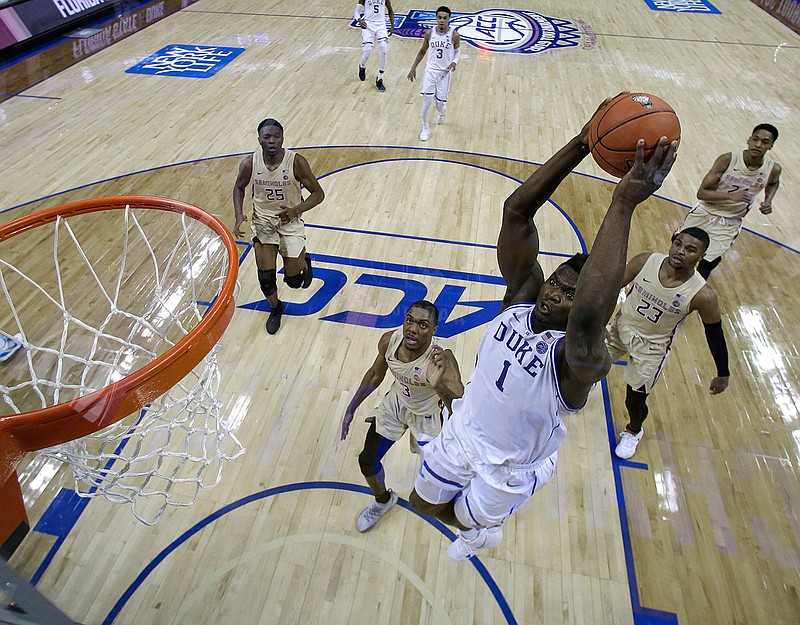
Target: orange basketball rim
54,425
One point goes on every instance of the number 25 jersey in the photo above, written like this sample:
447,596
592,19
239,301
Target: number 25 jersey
271,189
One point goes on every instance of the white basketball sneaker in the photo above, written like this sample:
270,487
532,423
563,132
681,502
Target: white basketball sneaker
9,346
370,515
425,134
440,118
472,541
627,444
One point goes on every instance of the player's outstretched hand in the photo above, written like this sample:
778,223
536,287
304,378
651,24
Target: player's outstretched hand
348,419
645,178
718,384
444,375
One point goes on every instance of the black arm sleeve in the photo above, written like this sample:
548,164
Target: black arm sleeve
719,349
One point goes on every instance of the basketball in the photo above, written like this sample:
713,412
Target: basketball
616,128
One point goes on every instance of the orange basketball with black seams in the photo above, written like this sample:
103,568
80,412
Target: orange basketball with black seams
628,117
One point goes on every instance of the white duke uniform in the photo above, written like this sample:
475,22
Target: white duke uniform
271,189
441,52
648,321
500,444
411,403
722,219
375,17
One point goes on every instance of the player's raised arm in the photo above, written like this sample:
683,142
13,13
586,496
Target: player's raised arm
584,359
518,243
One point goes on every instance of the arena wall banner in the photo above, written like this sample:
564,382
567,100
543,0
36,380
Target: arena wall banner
787,11
36,17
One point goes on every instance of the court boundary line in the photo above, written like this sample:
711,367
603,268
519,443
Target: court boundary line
297,486
371,147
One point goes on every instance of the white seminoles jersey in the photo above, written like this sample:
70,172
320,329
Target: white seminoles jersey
411,382
440,50
512,406
375,13
736,177
653,311
273,188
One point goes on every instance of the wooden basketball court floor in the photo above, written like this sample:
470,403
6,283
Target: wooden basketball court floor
701,527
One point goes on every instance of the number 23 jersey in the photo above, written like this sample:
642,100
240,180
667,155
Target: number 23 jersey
655,312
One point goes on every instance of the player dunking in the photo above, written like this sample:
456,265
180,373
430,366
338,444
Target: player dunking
536,363
443,45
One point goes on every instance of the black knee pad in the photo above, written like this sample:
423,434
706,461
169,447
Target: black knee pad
294,282
366,462
268,281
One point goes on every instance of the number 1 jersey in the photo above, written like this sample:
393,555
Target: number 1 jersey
512,408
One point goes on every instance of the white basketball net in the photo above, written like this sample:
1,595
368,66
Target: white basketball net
120,288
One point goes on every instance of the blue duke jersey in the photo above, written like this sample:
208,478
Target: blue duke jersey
271,189
440,50
512,406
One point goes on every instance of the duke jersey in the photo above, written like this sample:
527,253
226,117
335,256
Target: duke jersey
440,50
273,188
512,406
413,389
655,312
375,13
737,177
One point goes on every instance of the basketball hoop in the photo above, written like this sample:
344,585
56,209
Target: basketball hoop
118,376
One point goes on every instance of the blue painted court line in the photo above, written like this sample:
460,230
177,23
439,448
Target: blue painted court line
641,615
287,488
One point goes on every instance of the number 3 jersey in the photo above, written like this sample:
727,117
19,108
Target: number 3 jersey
411,382
271,189
512,408
441,51
654,312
